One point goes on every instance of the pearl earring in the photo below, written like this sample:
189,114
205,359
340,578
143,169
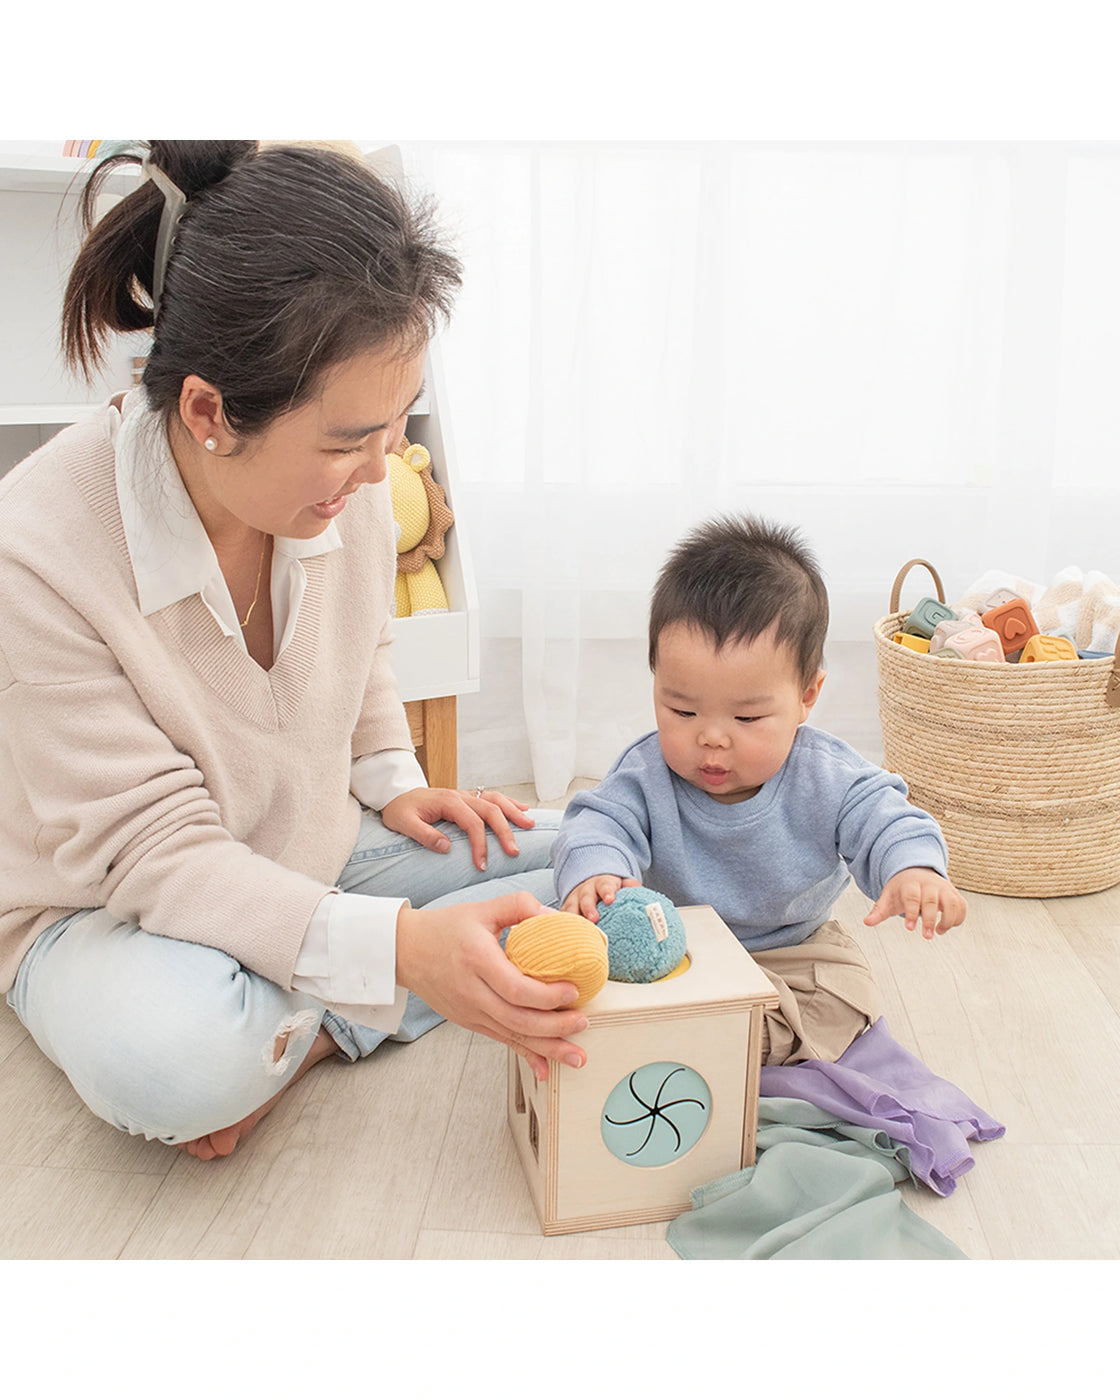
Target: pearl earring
210,444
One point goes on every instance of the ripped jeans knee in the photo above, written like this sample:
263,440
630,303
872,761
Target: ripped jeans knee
292,1034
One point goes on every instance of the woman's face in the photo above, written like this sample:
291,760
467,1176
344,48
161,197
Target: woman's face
295,477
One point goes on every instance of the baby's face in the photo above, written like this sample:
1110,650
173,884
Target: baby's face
727,719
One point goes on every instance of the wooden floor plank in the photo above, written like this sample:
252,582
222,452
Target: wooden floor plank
1091,927
1049,1202
1002,1009
12,1032
955,1215
52,1213
39,1109
95,1145
476,1244
212,1210
600,1245
479,1183
355,1176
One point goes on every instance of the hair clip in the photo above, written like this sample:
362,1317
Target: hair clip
174,207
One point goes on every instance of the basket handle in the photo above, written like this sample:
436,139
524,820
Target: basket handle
896,590
1112,687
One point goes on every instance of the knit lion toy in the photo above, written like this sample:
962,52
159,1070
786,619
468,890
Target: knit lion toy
423,519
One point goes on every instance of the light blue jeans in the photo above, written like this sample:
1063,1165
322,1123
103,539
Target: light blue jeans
173,1040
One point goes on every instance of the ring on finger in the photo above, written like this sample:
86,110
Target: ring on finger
478,791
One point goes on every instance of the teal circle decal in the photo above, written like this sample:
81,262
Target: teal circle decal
656,1114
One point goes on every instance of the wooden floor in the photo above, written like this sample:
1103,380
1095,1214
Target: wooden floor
406,1155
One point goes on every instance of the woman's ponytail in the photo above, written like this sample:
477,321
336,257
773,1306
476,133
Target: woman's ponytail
112,283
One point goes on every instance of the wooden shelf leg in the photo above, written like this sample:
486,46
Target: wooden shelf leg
441,741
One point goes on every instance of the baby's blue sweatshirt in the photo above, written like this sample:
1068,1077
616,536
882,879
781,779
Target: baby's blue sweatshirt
772,866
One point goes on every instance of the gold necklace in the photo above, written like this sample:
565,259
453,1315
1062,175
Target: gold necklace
257,590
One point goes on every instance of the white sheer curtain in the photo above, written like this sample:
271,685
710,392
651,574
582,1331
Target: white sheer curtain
903,349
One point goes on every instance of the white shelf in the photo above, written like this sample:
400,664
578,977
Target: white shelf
31,414
440,654
28,167
57,174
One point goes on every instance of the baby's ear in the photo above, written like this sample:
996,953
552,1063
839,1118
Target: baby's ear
812,693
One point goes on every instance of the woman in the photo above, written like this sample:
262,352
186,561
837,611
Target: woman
214,824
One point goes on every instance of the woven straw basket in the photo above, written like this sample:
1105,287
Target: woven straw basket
1020,764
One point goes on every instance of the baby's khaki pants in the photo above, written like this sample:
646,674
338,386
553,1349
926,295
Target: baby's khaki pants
828,997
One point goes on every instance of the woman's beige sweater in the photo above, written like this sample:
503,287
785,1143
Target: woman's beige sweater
148,765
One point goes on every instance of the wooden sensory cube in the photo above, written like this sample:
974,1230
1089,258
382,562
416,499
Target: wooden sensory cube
667,1100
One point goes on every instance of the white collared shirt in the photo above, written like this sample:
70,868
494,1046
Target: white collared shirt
348,955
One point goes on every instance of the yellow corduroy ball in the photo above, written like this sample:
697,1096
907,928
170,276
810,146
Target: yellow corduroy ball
556,947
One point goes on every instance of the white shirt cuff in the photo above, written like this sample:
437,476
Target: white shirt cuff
376,778
348,959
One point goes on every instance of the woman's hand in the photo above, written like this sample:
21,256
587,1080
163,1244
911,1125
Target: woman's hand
413,812
451,958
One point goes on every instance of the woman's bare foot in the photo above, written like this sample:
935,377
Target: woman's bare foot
222,1142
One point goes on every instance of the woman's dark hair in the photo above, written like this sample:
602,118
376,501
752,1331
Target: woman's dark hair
288,261
735,577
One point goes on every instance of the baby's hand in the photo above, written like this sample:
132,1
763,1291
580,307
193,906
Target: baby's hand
920,894
584,899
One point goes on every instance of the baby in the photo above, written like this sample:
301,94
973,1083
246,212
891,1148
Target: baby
736,803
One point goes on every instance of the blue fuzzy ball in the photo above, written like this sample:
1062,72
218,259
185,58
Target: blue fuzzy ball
632,925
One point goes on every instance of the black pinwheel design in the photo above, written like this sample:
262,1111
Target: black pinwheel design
656,1112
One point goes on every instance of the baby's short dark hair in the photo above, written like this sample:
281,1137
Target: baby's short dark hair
737,576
